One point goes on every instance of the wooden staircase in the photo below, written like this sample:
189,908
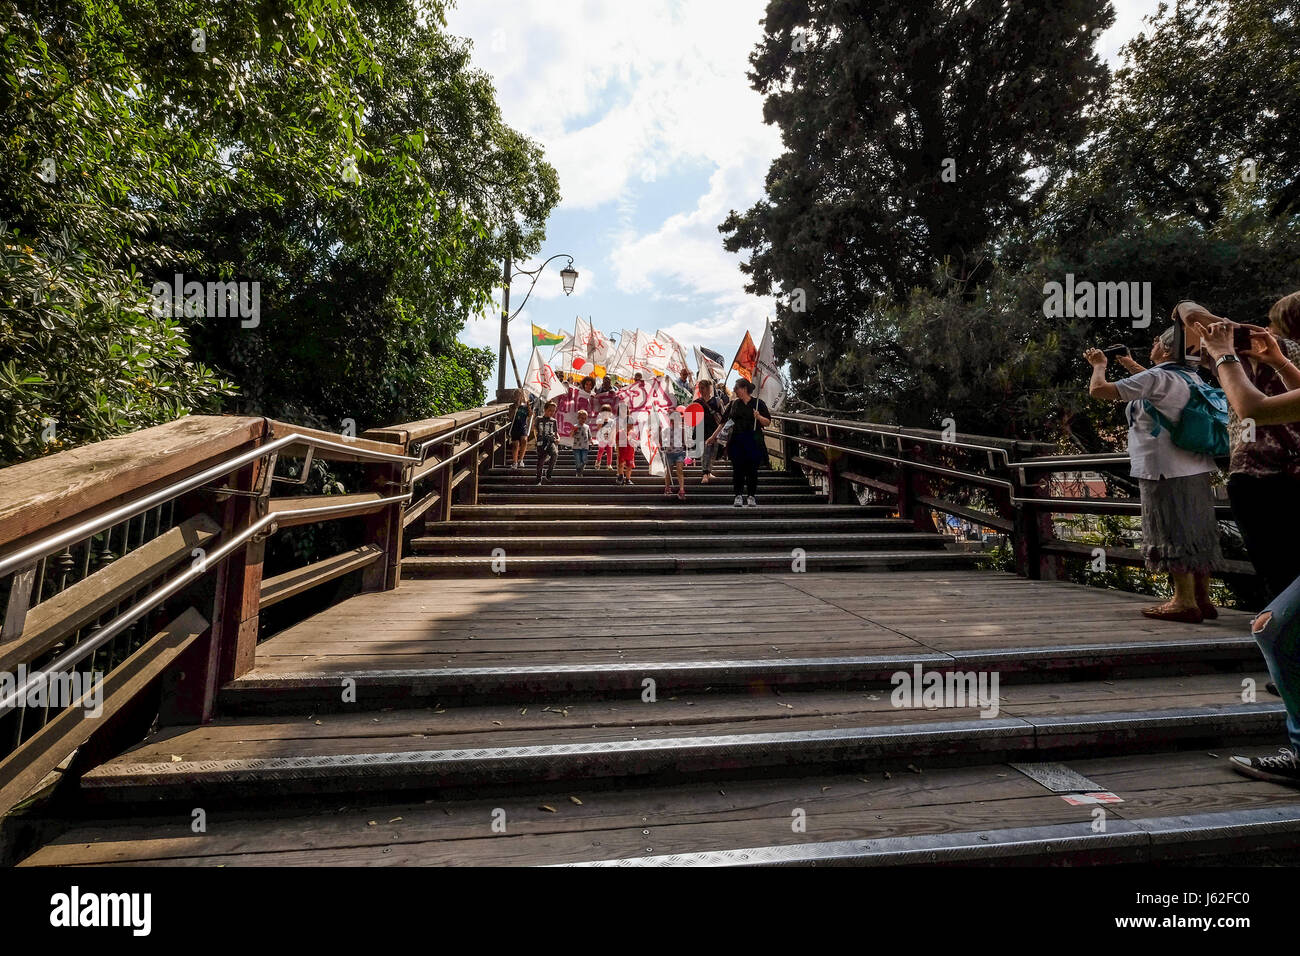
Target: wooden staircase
545,687
687,728
591,525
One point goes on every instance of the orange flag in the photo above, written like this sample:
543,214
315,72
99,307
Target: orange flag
746,358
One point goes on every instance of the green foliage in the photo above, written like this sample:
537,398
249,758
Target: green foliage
1145,187
1201,123
342,155
82,357
875,102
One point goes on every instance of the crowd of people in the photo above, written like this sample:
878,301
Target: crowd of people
732,429
1219,388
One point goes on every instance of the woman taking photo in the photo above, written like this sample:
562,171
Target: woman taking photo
745,446
1277,628
1180,535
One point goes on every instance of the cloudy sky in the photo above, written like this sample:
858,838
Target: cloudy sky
644,110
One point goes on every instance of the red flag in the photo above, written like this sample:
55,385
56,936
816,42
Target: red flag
746,358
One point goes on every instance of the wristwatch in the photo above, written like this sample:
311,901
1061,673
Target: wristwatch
1229,358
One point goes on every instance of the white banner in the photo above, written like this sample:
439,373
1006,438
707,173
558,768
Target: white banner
767,376
541,380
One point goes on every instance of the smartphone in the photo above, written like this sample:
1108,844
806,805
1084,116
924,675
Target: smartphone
1241,341
1115,351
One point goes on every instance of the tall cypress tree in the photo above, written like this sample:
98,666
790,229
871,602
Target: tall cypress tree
915,132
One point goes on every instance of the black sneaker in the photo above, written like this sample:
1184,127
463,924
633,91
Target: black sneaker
1281,768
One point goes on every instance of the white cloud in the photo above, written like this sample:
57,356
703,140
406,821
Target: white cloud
620,96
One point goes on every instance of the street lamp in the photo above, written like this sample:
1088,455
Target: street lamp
568,276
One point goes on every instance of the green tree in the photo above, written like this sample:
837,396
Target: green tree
1200,123
343,156
912,133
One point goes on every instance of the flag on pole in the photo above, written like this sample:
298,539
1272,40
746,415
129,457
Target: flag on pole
767,376
675,361
620,366
709,365
599,350
542,337
746,358
652,352
541,380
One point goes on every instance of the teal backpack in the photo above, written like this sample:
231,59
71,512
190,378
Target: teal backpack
1203,427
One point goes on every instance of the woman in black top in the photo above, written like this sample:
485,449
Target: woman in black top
746,449
521,421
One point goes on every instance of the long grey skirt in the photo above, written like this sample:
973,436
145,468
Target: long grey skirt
1179,530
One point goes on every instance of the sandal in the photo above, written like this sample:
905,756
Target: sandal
1208,611
1162,612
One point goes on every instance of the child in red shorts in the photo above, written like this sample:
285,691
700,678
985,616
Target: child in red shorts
626,455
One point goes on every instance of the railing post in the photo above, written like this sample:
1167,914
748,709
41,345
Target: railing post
384,528
913,484
841,489
476,462
789,446
1031,527
231,643
445,476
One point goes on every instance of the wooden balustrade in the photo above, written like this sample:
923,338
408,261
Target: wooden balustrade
139,559
1010,479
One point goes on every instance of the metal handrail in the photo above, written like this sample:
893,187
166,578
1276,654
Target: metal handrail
1040,462
197,569
869,429
464,451
924,466
49,545
422,449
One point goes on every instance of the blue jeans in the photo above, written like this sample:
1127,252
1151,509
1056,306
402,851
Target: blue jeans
580,459
1279,641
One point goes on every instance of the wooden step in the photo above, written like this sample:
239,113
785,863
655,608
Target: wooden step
668,509
623,496
598,544
686,562
748,522
687,735
1175,807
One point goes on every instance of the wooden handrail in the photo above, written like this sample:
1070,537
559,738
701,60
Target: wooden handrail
105,533
1017,486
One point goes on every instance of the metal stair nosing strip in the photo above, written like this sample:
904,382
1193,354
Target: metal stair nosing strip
1146,840
620,675
674,675
992,736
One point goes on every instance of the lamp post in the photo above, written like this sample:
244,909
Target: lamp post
568,276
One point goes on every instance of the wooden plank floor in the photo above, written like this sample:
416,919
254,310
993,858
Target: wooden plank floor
759,617
531,621
561,721
475,623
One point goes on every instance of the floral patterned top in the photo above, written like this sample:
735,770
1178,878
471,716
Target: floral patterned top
1276,448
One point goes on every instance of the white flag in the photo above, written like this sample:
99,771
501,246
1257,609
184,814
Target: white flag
707,367
599,350
621,364
653,352
767,376
541,380
675,362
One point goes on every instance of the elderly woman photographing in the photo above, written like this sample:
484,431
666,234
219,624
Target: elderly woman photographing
1180,535
1277,628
